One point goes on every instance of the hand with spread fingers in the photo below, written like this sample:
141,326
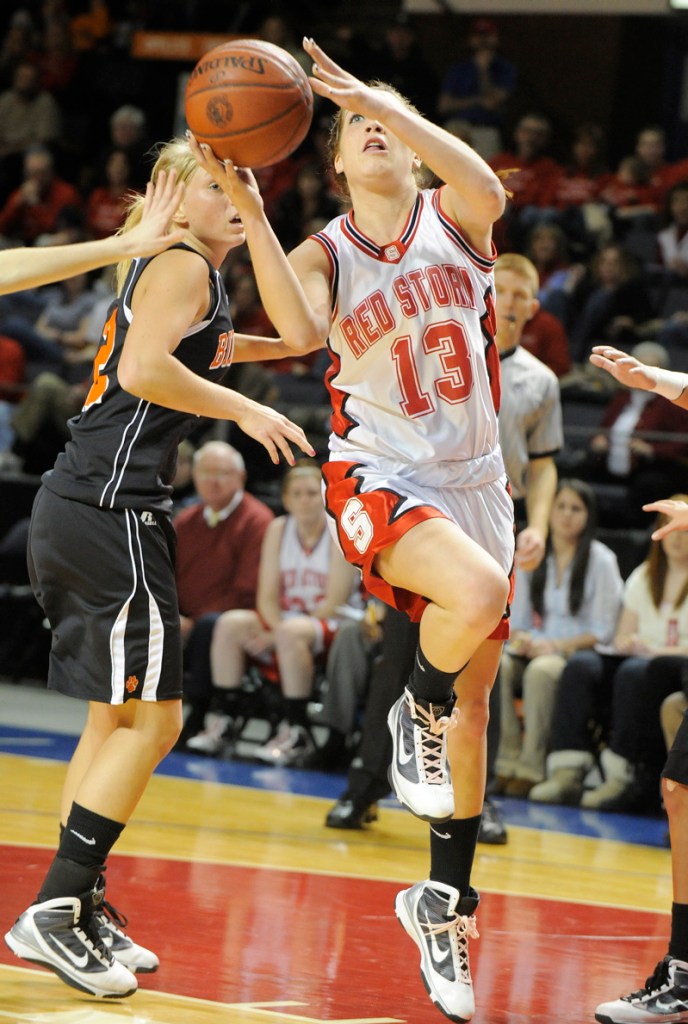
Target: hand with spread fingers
624,367
238,183
274,431
153,233
334,83
676,512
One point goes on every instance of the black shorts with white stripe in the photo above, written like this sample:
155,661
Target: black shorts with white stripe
105,579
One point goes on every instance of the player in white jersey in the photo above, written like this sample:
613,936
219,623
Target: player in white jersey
401,289
302,581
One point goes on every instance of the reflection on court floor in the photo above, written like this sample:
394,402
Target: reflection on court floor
259,913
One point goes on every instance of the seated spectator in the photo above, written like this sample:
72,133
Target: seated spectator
106,204
303,579
128,134
65,324
579,183
569,603
548,250
29,116
612,303
477,88
672,240
534,179
630,197
642,443
40,420
348,667
33,209
650,147
621,690
218,547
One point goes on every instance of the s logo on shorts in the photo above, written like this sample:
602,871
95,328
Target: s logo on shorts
357,524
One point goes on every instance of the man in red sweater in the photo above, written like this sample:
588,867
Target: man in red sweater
34,208
218,550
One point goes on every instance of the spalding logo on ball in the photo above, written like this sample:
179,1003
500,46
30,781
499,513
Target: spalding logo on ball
250,101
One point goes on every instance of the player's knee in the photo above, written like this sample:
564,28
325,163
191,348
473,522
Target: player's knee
291,632
164,726
232,625
484,604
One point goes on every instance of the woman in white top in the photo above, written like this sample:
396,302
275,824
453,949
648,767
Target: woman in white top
651,640
303,580
569,603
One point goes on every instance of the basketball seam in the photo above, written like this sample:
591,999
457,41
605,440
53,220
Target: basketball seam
254,127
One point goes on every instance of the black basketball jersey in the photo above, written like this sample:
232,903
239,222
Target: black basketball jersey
123,450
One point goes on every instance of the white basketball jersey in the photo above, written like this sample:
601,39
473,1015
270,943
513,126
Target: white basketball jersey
303,573
415,369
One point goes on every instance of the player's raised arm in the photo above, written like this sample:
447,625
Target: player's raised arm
31,268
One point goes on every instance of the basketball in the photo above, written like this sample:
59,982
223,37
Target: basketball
250,101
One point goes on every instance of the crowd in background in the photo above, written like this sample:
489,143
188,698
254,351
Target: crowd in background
610,244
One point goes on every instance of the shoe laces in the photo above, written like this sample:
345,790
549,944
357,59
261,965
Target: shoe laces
112,914
432,733
655,983
461,928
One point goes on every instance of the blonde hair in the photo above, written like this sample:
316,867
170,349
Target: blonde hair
520,265
422,174
174,154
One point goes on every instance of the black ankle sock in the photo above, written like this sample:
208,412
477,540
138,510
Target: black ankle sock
452,850
429,683
66,878
88,837
678,946
297,711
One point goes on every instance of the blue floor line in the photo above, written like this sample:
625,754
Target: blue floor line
302,782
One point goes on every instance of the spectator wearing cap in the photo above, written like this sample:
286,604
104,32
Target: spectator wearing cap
477,88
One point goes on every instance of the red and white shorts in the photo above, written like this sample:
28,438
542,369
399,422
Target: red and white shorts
370,509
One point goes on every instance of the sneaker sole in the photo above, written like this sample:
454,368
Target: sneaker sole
32,956
406,923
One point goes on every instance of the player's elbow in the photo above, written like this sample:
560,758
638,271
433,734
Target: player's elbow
136,377
494,198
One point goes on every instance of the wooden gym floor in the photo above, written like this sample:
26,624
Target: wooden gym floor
261,915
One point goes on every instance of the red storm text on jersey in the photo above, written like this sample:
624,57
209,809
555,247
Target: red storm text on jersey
415,369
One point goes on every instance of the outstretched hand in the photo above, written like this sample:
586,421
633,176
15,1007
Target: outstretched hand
153,233
334,83
274,431
624,368
676,511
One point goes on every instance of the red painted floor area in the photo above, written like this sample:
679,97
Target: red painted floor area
236,934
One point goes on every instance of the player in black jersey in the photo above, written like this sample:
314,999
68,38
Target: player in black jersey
101,558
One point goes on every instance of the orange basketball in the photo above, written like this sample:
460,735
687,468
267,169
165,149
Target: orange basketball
250,101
